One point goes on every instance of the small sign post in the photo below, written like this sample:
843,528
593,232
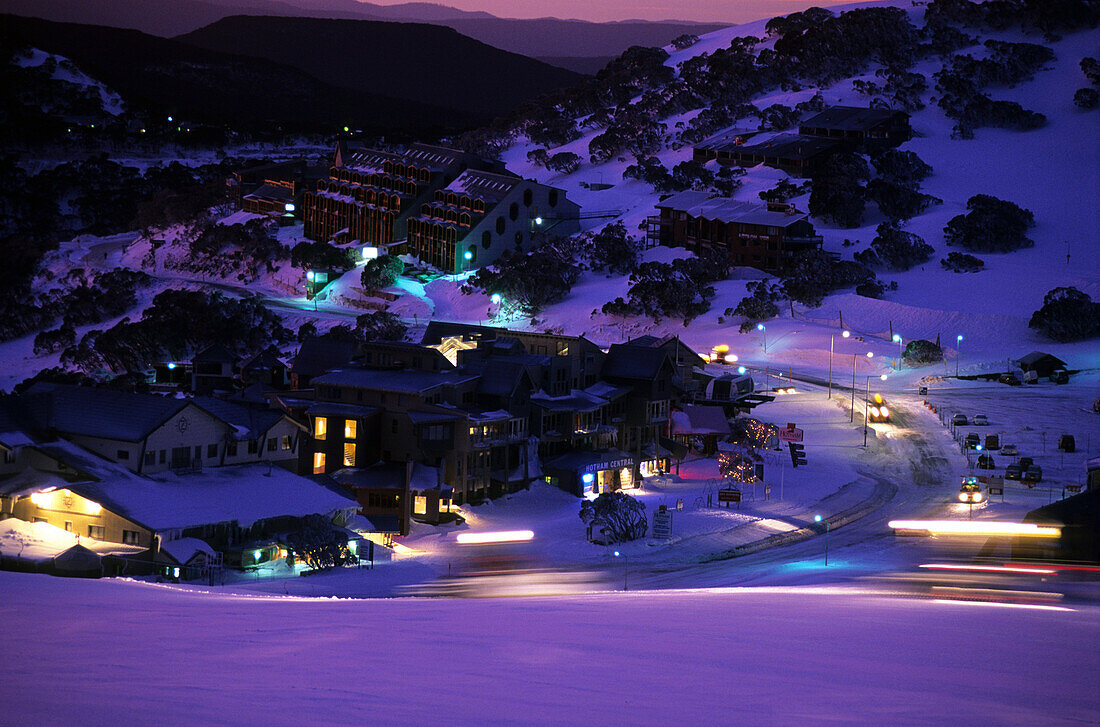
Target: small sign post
662,524
729,495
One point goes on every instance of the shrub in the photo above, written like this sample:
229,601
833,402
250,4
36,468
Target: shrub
837,193
564,162
898,201
759,305
870,289
620,514
991,225
381,272
611,249
901,167
815,274
959,262
895,249
529,281
54,341
784,190
1067,315
321,256
921,352
686,40
380,326
1086,98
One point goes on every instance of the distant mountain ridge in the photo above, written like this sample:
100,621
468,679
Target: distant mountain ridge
209,85
415,61
535,38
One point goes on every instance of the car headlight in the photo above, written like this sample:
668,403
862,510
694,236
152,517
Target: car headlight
874,411
977,497
962,497
885,412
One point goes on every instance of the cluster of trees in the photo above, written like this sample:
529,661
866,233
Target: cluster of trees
688,174
1067,315
1088,98
895,249
759,305
1045,16
681,289
841,189
381,272
86,298
221,249
961,80
373,326
179,323
816,273
564,162
613,250
531,281
991,225
960,262
321,256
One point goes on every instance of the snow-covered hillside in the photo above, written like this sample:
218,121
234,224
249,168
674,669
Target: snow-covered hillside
1050,171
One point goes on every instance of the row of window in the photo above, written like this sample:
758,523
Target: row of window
320,428
274,444
320,460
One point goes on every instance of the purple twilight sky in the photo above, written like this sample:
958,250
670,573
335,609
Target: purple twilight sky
723,11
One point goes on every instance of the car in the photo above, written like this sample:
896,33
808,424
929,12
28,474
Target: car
1025,462
1060,377
1009,450
992,442
878,412
1009,379
959,420
985,462
1014,472
981,420
971,491
972,441
1033,474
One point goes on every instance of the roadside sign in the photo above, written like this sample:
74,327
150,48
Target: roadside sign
662,524
790,434
729,496
995,490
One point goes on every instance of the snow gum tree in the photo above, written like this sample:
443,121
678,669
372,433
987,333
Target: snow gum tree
620,514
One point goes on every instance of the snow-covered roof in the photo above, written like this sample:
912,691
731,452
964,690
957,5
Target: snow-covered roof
184,549
486,185
850,118
404,381
727,209
99,412
700,420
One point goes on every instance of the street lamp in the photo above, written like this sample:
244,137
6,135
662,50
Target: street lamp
845,335
866,398
958,353
852,412
897,340
817,519
764,332
626,568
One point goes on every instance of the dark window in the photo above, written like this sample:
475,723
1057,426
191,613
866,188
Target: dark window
486,239
359,393
272,443
393,426
528,197
230,449
123,454
212,451
519,239
513,212
253,446
131,537
150,459
198,451
553,198
500,225
163,456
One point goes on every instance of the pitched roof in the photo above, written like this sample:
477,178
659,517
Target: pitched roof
266,359
626,361
784,146
727,209
98,412
436,331
1037,356
850,118
215,353
700,420
318,355
405,381
249,421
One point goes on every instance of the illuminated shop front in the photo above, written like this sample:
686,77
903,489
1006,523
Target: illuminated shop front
592,473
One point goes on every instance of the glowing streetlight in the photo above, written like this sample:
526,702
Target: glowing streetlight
958,353
897,340
741,369
538,220
763,332
845,335
468,256
852,411
495,298
817,519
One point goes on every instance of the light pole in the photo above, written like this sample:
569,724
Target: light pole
852,413
626,568
845,334
817,519
958,353
866,403
897,340
764,332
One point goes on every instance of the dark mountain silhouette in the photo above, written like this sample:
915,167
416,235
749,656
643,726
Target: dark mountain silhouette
581,64
416,61
535,38
169,76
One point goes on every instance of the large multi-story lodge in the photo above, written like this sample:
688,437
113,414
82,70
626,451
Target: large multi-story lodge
764,236
369,195
480,215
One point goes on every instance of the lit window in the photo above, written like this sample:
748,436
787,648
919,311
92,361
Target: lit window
349,429
286,443
420,505
349,454
95,531
318,463
131,537
320,428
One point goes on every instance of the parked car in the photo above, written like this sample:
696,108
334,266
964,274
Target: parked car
1009,450
959,420
1060,377
971,491
1009,379
981,420
1033,474
972,441
1066,443
1026,462
985,462
1014,472
992,442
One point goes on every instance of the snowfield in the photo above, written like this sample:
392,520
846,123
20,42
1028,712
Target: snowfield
110,651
